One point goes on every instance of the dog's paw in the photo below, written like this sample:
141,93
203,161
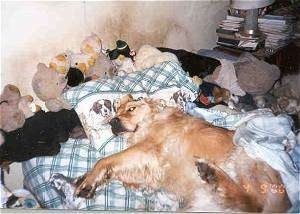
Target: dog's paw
86,185
206,172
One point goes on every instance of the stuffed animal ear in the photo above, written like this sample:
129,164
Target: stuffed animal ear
41,67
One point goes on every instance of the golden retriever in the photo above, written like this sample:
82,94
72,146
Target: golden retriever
186,156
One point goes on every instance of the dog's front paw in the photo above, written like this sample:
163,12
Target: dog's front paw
86,185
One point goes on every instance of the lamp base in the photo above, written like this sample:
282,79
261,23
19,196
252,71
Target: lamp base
251,34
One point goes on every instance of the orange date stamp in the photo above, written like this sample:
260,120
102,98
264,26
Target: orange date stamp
266,187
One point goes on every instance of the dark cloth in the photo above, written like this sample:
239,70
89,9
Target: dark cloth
194,64
40,135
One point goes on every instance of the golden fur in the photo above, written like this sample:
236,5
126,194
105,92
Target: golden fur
186,156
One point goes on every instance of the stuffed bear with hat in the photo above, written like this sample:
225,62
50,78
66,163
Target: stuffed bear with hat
122,57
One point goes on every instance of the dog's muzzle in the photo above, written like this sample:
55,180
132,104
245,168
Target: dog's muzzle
116,126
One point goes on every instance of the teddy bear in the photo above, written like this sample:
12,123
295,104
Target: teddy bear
99,65
62,62
148,56
14,108
48,86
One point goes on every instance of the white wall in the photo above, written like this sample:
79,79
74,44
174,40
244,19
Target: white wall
34,32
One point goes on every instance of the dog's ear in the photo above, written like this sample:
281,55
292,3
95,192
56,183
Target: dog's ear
118,102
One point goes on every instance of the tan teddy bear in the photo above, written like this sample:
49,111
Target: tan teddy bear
14,108
48,86
100,66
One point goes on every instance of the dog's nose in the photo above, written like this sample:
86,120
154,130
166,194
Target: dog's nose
114,121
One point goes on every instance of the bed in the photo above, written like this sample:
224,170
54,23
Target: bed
78,156
262,134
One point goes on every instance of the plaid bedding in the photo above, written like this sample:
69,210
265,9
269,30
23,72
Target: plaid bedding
78,156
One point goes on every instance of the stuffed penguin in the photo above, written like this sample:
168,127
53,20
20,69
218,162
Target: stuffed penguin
121,49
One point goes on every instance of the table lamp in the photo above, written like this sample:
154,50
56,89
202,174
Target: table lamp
251,18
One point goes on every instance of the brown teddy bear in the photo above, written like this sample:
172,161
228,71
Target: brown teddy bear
48,86
14,108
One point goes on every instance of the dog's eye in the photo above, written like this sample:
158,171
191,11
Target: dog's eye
131,108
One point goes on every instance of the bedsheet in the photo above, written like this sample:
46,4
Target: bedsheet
166,81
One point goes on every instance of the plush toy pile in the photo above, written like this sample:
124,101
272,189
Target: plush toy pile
27,131
69,69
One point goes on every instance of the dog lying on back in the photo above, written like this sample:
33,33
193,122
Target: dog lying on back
186,156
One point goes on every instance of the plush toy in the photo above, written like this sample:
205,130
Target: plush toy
40,135
14,108
210,95
92,46
148,56
83,62
121,49
99,65
62,62
124,65
48,86
194,64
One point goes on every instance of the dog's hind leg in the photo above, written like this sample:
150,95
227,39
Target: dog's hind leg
137,165
226,190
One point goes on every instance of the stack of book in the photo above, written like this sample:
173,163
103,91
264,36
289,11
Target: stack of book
279,30
229,34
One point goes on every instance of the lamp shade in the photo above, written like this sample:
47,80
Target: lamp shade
250,4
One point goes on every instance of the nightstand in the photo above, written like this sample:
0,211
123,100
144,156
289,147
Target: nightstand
286,58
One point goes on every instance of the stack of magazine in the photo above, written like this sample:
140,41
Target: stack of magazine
229,34
279,30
